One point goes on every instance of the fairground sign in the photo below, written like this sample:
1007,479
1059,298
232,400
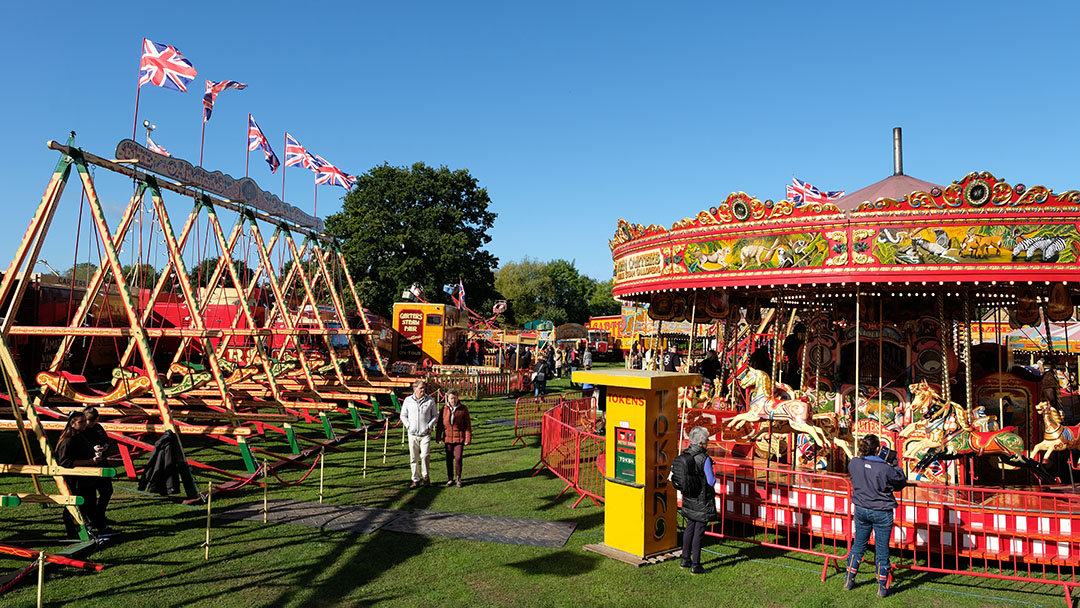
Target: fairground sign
244,190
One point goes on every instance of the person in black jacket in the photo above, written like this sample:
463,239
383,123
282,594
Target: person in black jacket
540,376
873,482
97,437
701,509
73,450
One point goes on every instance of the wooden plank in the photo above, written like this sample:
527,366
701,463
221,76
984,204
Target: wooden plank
135,427
41,469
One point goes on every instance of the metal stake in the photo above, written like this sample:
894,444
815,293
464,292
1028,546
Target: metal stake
266,487
385,438
40,578
365,452
209,497
322,460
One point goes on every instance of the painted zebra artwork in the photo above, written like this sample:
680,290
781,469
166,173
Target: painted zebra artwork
1049,246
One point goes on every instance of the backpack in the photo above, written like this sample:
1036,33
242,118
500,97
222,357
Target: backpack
685,475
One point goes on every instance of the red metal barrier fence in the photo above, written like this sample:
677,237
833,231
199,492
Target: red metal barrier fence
775,507
527,414
996,533
573,454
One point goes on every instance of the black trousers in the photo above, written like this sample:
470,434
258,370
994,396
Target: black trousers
691,541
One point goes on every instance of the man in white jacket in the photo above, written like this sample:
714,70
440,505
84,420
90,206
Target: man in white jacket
419,415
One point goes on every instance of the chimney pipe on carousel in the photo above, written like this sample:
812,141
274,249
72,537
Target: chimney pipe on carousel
897,152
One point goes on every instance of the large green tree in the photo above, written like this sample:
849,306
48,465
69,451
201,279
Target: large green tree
553,290
418,224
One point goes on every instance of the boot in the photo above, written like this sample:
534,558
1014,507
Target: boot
882,587
849,582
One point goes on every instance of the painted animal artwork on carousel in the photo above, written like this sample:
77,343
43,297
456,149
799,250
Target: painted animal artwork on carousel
918,246
764,406
941,416
1056,436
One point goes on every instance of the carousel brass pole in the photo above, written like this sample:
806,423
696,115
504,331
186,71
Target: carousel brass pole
855,395
944,345
693,332
967,350
802,362
880,355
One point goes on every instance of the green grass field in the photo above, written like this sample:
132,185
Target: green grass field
158,560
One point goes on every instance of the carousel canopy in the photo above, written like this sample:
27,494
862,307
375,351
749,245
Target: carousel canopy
894,186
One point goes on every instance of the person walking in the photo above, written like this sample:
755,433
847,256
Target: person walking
873,481
540,375
698,510
558,362
455,429
419,416
586,358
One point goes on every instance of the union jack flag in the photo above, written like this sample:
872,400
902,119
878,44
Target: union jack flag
164,66
156,148
314,162
295,154
256,139
325,173
802,193
212,90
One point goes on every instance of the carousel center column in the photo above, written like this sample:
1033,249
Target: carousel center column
641,441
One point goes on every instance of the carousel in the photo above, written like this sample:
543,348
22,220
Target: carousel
875,313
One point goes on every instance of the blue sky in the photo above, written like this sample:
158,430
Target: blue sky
572,115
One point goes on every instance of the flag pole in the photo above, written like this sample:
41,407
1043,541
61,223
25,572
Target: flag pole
138,89
202,138
247,152
283,146
316,199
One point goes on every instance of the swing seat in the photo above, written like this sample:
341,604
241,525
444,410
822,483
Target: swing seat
125,389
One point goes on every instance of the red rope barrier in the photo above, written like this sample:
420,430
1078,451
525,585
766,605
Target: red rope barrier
298,481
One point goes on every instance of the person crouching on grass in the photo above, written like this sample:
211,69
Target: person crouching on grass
873,481
455,428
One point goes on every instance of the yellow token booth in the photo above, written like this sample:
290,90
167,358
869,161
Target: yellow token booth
642,439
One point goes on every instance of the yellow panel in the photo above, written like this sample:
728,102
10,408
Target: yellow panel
633,378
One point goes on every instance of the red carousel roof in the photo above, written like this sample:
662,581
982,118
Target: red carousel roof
894,186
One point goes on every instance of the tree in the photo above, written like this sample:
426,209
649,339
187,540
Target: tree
553,290
405,225
140,276
202,272
81,272
601,302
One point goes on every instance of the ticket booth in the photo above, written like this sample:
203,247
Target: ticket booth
642,439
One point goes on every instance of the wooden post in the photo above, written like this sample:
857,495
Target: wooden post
266,486
40,578
209,497
385,438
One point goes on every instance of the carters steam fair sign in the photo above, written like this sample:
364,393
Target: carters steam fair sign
639,265
244,190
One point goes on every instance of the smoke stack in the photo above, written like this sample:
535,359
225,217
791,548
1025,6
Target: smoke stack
897,152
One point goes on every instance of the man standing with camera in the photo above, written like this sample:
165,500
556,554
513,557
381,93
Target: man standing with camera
874,477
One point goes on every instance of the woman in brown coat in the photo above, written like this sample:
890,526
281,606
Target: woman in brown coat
455,428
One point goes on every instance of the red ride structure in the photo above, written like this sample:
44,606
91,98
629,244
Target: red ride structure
868,315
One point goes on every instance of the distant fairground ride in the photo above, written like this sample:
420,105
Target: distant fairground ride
859,316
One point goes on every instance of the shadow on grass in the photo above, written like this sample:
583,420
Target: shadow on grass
560,563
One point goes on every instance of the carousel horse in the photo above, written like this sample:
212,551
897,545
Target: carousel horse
1056,437
765,406
1005,443
940,419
